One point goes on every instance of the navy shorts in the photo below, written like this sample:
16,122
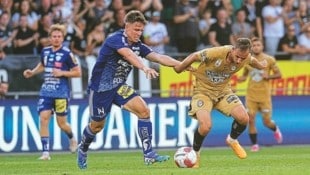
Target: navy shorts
57,105
100,103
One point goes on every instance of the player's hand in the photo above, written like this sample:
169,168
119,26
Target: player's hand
28,73
191,69
177,69
150,73
57,73
241,79
265,75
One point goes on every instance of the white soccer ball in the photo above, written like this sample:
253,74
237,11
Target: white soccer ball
185,157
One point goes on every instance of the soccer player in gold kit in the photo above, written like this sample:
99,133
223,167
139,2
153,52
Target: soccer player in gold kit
212,90
258,96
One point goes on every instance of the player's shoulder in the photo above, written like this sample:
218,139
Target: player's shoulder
115,35
269,58
65,49
47,48
116,38
220,51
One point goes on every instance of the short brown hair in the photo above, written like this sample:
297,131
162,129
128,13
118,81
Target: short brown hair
135,16
243,44
254,39
58,27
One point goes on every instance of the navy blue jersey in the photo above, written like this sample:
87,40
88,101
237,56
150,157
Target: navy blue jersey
111,69
61,59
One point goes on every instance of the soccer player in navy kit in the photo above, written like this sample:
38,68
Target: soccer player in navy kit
119,53
58,64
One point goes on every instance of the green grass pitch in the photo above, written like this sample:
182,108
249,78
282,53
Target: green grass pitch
276,160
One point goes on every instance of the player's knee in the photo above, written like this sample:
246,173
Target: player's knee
63,126
143,114
204,129
268,123
251,120
95,128
44,121
244,120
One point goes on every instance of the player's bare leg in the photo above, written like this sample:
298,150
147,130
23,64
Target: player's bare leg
272,126
253,133
205,123
64,126
44,133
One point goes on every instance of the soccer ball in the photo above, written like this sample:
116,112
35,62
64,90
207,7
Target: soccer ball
185,157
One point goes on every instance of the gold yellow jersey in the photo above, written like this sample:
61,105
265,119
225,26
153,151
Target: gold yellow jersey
258,89
214,73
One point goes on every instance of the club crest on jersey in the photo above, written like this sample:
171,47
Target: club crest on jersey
58,57
137,52
233,68
218,63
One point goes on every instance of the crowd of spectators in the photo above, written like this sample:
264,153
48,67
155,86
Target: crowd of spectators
185,25
176,26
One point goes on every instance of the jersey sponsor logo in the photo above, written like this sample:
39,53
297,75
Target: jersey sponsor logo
232,98
59,54
217,77
125,91
256,75
58,64
60,105
49,87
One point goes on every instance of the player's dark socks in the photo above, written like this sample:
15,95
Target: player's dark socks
45,144
70,135
87,138
145,133
236,129
273,128
198,139
253,138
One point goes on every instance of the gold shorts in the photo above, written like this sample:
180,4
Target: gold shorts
224,104
253,107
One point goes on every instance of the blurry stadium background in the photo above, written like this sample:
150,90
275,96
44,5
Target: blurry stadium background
19,120
168,96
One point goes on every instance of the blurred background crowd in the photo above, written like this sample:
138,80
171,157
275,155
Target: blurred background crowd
176,27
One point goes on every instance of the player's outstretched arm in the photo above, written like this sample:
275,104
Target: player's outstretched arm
133,59
31,72
186,63
162,59
74,72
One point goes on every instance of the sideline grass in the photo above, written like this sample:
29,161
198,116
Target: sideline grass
290,160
